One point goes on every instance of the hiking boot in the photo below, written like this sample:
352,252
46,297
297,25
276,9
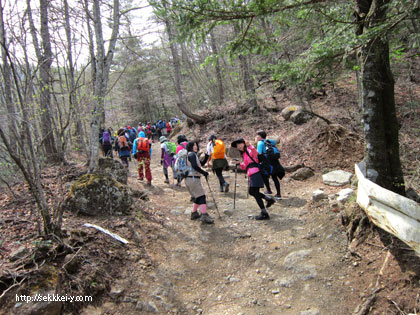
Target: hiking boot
263,216
268,192
278,197
195,215
221,188
166,181
270,202
140,179
205,218
226,187
149,183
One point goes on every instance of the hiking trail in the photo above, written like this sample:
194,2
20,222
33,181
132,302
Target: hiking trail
295,263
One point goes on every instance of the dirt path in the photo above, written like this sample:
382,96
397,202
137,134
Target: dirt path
295,263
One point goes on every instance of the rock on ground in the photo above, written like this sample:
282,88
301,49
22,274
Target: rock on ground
337,178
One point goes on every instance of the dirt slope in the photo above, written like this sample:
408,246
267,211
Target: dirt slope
294,263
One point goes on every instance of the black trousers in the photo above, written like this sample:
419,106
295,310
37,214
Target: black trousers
275,177
219,174
255,192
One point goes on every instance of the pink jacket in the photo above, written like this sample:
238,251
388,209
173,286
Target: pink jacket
247,160
180,147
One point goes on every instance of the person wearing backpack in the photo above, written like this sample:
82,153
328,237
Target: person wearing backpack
106,141
217,152
154,132
167,157
122,147
269,154
251,165
182,145
194,185
142,151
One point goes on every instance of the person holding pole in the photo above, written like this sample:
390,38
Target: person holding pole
251,165
194,185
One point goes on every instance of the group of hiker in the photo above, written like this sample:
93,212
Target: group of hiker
260,164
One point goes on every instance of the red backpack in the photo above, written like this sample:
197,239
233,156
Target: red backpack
143,145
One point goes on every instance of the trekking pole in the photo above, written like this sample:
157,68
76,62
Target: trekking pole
214,200
234,190
247,190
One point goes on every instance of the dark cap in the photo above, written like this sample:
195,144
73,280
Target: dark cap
236,142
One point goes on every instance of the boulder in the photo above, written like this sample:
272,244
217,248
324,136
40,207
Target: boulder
289,110
300,117
303,173
113,168
337,178
96,194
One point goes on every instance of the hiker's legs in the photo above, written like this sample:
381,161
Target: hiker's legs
124,161
165,172
140,167
205,217
255,192
266,182
147,169
219,174
276,181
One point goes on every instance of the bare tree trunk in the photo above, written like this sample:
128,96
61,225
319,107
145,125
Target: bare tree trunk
73,103
6,74
220,92
382,157
177,75
29,164
44,57
248,82
103,65
251,98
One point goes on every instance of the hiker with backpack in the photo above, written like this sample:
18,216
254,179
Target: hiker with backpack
269,155
182,145
193,183
251,165
149,131
153,129
122,147
106,141
168,128
167,157
217,152
142,151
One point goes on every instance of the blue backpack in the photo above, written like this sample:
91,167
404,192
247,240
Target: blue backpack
271,151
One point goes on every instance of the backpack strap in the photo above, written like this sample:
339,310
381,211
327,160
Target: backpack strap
253,164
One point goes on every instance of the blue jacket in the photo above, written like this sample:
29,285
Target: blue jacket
261,146
141,135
